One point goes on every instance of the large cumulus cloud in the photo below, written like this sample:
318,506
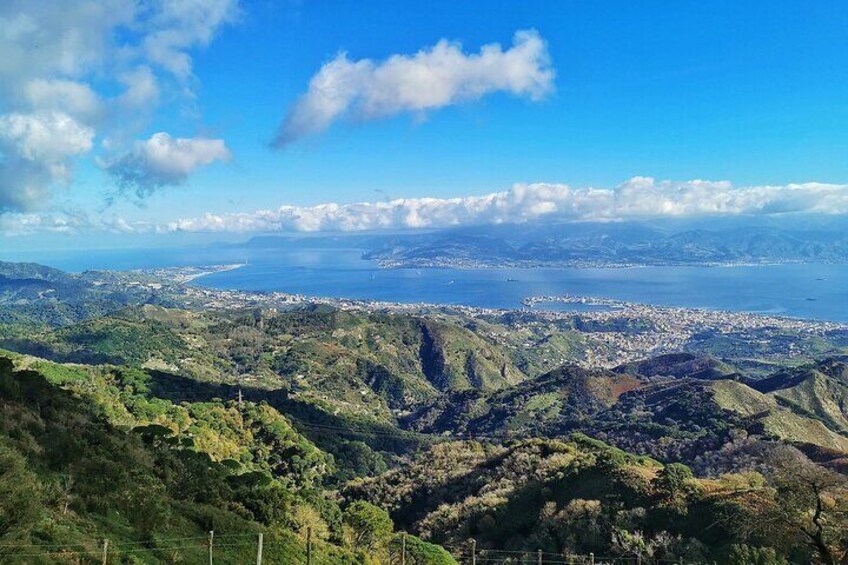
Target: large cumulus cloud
35,149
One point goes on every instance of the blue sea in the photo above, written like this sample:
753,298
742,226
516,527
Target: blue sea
803,291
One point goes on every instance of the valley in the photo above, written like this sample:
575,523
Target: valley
335,405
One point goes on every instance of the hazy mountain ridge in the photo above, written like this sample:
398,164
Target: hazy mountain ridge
617,243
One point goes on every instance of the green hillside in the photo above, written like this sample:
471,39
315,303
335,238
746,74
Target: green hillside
819,390
85,455
361,363
123,417
581,497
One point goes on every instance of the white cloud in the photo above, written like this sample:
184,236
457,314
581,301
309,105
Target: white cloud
19,224
432,78
48,137
163,160
179,25
56,39
54,52
142,89
73,98
35,150
637,198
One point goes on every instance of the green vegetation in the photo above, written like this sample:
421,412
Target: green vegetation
125,418
581,496
85,455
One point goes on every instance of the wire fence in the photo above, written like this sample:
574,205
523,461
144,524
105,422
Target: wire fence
471,555
187,549
268,549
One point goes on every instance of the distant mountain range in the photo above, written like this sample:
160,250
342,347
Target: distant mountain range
717,241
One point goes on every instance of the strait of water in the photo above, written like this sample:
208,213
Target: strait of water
803,291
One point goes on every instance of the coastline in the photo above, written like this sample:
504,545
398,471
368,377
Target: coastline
523,264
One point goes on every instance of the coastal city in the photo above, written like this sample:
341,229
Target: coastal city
611,332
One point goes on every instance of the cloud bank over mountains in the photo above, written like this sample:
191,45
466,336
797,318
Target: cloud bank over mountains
433,78
58,60
637,198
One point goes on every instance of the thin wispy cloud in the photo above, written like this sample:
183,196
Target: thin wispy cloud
20,224
433,78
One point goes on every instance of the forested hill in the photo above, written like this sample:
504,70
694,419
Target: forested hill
34,296
88,455
151,425
91,453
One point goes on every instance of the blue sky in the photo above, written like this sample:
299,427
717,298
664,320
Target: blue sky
755,93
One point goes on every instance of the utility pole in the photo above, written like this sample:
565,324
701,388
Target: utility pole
211,537
403,548
473,551
105,551
309,546
259,551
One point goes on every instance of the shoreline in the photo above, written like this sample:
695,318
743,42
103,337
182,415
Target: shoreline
188,275
522,265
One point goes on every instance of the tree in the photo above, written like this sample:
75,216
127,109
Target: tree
637,544
672,485
20,495
813,502
419,552
369,527
747,555
805,506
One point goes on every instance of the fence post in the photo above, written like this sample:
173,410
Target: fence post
539,554
473,551
309,546
105,551
403,548
211,538
591,559
259,550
